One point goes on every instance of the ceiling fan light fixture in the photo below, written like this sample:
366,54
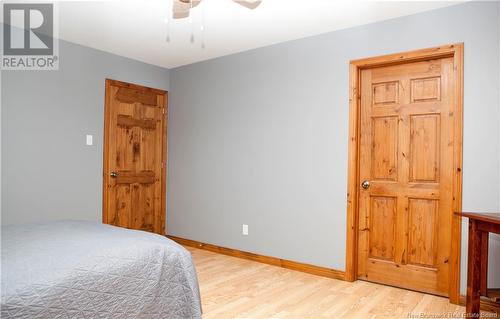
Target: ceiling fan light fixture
181,8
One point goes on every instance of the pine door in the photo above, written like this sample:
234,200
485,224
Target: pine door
134,157
405,175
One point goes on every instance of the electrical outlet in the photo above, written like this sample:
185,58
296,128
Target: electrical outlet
245,229
88,139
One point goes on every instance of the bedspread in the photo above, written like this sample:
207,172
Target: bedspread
73,269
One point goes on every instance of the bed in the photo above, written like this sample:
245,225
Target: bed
76,269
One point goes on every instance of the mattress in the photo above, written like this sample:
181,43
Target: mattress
76,269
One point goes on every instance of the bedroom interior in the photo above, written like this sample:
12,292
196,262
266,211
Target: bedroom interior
250,159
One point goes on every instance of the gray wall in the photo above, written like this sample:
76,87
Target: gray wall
260,137
47,170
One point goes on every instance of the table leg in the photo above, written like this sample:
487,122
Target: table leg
473,270
484,263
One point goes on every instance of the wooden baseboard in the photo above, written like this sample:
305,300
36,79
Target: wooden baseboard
311,269
485,304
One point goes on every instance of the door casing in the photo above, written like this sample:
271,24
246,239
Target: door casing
446,51
164,157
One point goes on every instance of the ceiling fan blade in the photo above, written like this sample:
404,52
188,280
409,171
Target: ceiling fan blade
194,2
250,4
180,8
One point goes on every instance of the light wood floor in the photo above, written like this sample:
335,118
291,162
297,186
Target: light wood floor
238,288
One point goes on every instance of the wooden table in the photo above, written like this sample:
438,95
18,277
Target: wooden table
480,225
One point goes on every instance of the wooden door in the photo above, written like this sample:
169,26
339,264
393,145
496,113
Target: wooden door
134,157
406,165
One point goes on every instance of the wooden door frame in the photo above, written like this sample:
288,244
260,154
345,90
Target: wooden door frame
164,157
454,51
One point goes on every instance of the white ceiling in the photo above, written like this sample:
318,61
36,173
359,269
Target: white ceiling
137,28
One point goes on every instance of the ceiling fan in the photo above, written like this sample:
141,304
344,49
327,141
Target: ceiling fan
181,7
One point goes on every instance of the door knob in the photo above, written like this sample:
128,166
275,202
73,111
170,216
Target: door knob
365,184
113,174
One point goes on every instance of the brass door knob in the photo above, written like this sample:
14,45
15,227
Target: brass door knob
113,174
365,184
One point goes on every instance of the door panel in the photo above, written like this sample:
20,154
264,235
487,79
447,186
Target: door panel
426,89
424,135
134,162
123,207
382,225
385,93
406,155
422,239
384,148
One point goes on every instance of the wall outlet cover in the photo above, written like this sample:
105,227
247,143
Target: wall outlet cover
88,139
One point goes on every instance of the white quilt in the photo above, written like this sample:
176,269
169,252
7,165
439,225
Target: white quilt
88,270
